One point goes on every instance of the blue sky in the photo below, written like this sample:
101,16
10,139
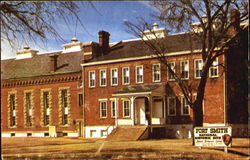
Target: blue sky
109,16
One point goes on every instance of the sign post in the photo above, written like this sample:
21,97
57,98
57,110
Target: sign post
213,137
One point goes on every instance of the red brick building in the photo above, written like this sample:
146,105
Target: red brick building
125,85
41,94
88,89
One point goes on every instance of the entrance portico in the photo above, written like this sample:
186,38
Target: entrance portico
147,104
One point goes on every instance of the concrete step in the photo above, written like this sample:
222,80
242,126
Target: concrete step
128,133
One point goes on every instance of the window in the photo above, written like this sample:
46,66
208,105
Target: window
12,110
172,66
114,76
46,111
91,78
103,109
184,106
184,69
64,103
214,69
139,74
103,78
113,108
125,75
80,99
126,108
171,106
156,72
198,64
28,109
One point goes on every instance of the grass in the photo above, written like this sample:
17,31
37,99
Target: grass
79,148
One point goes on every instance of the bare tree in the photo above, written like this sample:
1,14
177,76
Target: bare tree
217,25
34,21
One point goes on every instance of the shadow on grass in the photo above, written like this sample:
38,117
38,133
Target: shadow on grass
232,152
42,145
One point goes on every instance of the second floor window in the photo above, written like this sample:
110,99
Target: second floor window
184,69
139,74
156,72
91,78
214,69
114,76
198,64
103,78
172,66
125,75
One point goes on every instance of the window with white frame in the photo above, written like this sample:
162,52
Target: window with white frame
126,108
156,72
114,76
65,106
113,108
172,66
46,109
198,64
28,109
139,74
103,77
184,106
184,69
103,109
12,100
91,78
125,75
214,69
171,106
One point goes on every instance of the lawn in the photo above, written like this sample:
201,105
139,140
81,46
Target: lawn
79,148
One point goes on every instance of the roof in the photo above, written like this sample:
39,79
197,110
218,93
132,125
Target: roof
142,88
138,48
39,65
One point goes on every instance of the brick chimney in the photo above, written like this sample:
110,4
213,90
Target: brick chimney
104,41
53,63
235,20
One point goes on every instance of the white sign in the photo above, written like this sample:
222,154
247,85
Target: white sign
213,136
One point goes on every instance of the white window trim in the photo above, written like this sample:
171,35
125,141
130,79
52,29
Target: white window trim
173,70
124,77
169,106
187,70
100,78
112,77
111,101
90,79
100,107
216,76
128,106
136,80
183,98
153,72
195,68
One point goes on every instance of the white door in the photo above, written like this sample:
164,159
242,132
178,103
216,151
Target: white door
141,116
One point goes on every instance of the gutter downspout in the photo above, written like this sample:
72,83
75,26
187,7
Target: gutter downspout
225,93
83,105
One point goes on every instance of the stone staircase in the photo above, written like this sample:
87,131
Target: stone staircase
128,133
